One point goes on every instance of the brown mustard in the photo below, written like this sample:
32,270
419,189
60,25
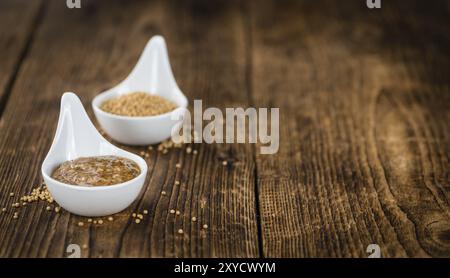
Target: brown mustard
96,171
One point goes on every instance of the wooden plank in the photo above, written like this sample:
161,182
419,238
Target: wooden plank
364,151
89,49
15,37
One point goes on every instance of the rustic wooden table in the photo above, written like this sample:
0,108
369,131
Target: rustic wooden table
365,136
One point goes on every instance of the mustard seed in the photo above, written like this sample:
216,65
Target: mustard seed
110,218
178,165
165,146
137,220
205,226
138,104
38,194
194,219
145,211
48,208
163,193
178,212
180,231
177,182
140,216
100,221
89,220
57,209
80,224
224,163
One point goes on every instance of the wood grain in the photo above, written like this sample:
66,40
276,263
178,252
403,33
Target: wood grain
16,36
363,97
364,126
93,48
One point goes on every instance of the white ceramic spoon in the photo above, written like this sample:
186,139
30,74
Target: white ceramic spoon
76,137
153,75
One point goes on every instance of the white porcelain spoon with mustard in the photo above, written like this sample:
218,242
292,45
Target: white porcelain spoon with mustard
153,75
77,137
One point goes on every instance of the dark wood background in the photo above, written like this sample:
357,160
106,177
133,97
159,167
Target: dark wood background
365,136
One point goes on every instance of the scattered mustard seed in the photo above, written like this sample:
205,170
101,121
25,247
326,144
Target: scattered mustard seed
110,218
178,165
80,224
89,220
137,220
224,163
194,152
38,194
172,211
140,216
11,194
145,211
180,231
167,145
205,226
163,193
178,212
134,214
57,209
48,208
177,182
194,219
188,150
100,221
